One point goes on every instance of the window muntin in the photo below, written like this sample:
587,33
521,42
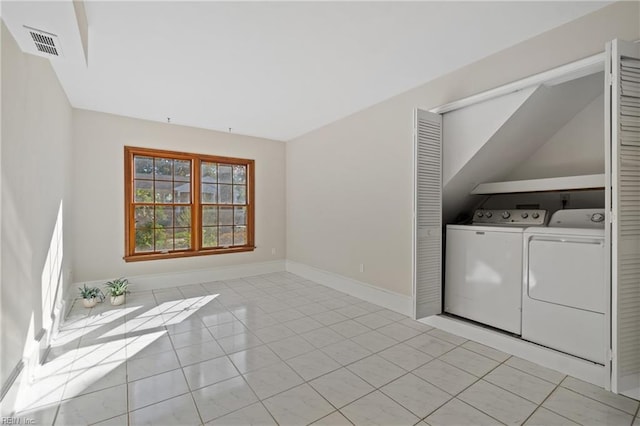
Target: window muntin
180,204
223,190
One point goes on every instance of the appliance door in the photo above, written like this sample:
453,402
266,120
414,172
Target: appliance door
567,271
484,276
564,294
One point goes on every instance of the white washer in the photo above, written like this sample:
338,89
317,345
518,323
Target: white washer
564,286
483,268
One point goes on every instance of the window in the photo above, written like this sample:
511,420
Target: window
179,204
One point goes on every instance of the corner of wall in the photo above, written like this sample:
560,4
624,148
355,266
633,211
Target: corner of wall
35,125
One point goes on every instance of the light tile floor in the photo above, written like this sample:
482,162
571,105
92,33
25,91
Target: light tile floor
279,349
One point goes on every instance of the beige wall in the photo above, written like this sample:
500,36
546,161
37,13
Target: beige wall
98,182
349,184
35,166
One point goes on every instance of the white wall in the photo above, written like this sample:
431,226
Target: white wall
35,193
98,182
576,149
349,184
467,130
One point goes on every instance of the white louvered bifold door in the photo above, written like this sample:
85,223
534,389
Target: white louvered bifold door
624,62
428,214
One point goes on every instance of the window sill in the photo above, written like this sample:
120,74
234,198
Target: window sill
174,255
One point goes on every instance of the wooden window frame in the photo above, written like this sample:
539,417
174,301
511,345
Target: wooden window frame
196,204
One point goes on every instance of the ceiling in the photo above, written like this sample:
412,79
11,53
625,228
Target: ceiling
272,69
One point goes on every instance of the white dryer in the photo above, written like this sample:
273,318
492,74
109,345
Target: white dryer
564,284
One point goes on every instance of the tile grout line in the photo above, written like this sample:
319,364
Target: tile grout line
126,364
587,397
475,408
531,374
420,418
55,418
516,394
545,400
182,371
470,385
601,402
333,412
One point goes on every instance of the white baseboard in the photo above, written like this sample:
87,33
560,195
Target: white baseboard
195,276
576,367
385,298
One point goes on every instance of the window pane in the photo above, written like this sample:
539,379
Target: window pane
209,216
209,172
226,216
144,217
239,174
164,192
164,169
183,238
209,193
239,235
144,239
143,191
239,194
143,167
164,217
240,216
224,173
181,170
226,236
210,236
182,193
182,216
225,194
164,239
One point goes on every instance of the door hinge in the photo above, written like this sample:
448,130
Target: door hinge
610,354
610,79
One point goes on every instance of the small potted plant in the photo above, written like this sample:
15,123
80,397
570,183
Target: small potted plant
90,296
117,289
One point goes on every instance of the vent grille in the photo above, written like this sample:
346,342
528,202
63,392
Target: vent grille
45,42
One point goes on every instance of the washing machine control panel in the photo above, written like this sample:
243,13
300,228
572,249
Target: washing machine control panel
510,217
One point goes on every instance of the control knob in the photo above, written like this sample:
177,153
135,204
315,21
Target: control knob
597,217
489,214
506,215
479,214
525,215
535,215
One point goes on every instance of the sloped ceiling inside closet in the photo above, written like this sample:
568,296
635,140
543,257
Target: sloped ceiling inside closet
526,127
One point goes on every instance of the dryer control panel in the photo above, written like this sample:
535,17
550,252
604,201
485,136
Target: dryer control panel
578,218
511,217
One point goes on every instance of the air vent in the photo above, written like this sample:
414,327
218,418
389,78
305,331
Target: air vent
45,43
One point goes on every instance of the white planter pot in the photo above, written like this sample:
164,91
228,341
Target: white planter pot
117,300
89,303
